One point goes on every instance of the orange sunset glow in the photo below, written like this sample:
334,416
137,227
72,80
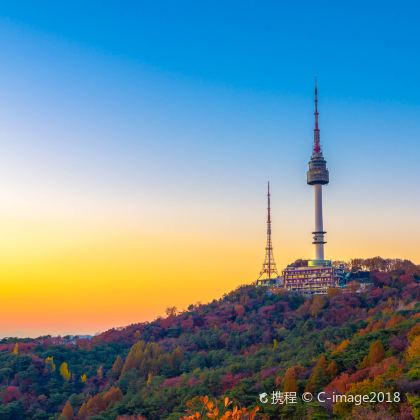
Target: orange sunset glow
129,185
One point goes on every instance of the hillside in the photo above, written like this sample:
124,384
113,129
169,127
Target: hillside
249,342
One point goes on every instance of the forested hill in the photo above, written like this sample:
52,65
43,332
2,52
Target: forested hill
249,342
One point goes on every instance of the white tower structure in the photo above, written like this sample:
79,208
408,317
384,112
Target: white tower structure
319,275
318,176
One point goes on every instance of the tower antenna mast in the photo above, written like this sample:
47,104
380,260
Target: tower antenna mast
269,268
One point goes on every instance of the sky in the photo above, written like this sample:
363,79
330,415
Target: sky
136,142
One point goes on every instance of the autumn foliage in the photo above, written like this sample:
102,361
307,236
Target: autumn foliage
67,413
413,350
224,409
98,403
376,354
290,383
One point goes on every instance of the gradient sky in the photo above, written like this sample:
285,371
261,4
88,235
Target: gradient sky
136,142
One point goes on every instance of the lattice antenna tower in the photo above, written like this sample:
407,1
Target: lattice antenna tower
269,268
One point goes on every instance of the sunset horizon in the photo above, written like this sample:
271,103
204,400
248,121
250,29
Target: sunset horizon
134,161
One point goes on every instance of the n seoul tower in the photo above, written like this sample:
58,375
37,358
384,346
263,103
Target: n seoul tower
320,274
318,176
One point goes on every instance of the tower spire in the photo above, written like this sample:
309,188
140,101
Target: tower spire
317,145
269,267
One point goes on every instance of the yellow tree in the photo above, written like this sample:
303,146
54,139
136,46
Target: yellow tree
134,356
83,378
146,358
64,371
413,351
16,349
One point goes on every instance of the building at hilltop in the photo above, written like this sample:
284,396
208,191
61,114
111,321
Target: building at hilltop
319,275
269,275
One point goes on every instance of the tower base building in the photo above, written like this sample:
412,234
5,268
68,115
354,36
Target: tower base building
316,278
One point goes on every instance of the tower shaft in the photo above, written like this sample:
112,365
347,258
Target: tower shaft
319,228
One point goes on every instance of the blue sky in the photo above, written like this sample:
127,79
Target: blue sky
210,96
200,103
358,49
